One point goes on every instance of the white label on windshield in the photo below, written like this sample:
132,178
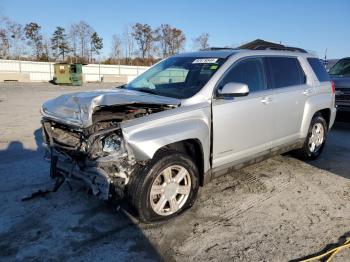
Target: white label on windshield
205,61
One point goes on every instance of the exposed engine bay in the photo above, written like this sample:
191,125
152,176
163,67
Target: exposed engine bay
97,154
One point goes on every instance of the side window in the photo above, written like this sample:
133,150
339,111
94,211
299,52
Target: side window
319,69
249,71
285,71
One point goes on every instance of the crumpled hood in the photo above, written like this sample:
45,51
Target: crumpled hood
77,108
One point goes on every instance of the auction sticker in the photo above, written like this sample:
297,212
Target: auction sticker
205,61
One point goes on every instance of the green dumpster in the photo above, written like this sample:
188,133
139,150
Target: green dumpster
68,74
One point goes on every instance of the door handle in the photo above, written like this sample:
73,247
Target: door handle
266,100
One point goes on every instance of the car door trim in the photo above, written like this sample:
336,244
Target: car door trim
256,158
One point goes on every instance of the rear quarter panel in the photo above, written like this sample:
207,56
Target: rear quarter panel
322,98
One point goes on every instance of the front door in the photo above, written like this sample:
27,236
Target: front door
243,126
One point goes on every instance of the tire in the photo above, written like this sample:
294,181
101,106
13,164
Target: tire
151,180
307,152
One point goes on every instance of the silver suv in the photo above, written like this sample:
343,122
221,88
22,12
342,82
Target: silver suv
188,119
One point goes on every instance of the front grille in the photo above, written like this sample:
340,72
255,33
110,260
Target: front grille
342,95
342,98
61,136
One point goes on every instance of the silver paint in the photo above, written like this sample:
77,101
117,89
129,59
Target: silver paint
242,127
77,108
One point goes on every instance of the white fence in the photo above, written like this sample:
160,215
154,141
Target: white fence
43,71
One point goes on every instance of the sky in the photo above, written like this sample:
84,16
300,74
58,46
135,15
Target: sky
313,25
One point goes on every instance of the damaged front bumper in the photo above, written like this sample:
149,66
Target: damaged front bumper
95,178
105,174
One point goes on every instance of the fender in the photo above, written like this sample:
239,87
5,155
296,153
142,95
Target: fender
144,139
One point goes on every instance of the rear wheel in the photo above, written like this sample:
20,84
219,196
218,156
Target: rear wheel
166,187
315,140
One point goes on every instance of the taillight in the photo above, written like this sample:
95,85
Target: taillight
333,87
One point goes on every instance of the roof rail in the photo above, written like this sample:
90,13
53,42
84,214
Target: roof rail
284,48
260,44
218,48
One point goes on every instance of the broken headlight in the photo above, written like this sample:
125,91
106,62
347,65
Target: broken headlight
111,144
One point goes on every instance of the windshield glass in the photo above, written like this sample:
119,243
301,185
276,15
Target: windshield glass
177,77
341,68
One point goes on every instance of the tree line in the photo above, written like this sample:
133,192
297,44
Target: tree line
139,44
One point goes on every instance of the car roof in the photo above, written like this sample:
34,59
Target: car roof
225,53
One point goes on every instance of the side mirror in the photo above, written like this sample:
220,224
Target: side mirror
120,87
233,90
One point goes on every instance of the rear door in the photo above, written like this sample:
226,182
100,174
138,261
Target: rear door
288,80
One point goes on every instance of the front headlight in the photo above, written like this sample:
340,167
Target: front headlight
108,147
112,144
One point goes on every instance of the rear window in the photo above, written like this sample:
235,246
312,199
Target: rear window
341,68
319,69
285,71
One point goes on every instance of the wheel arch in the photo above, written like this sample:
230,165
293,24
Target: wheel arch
194,149
191,136
326,113
314,105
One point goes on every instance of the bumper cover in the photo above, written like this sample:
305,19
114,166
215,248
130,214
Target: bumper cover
94,177
332,116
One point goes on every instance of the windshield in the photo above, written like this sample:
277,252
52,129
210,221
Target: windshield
177,77
341,68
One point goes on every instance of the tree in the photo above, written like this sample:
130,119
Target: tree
96,44
162,35
59,42
46,54
177,41
17,38
171,39
4,44
144,37
4,40
32,33
128,41
12,38
201,42
84,35
73,38
116,49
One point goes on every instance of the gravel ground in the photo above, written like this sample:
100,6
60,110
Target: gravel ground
278,210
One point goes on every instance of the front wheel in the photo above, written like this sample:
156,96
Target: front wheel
167,186
315,140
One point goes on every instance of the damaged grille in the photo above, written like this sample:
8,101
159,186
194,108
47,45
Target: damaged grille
87,142
78,144
60,136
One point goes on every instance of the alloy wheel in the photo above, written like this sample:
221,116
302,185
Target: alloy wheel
317,137
170,190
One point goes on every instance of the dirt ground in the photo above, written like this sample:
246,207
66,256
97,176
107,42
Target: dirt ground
278,210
